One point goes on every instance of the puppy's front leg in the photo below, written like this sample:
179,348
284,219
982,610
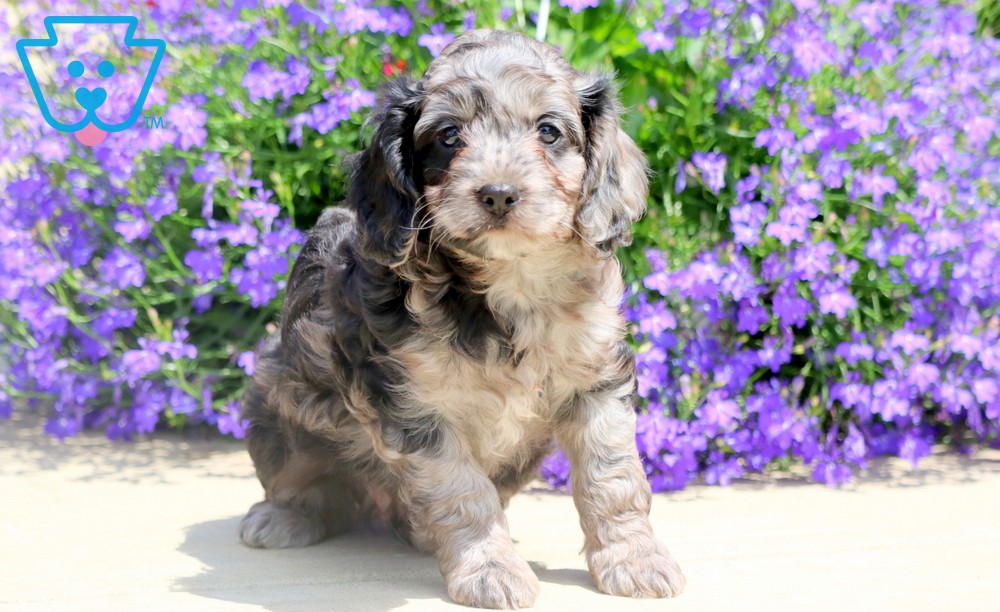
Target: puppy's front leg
613,496
455,510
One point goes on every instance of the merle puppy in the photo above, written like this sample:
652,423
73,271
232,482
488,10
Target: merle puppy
460,314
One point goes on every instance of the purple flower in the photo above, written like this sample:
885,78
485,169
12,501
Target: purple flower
237,234
263,82
813,260
853,352
786,232
655,318
876,184
979,130
206,265
326,116
923,376
248,361
252,283
832,171
181,403
188,121
810,49
6,405
131,224
202,303
437,40
908,342
555,469
722,470
121,269
872,16
866,120
298,14
751,317
680,182
139,363
232,423
176,349
112,319
775,352
390,21
713,168
63,426
578,5
837,300
747,220
855,447
44,317
831,473
656,40
775,139
352,16
160,206
790,308
986,390
954,396
693,22
260,208
887,400
718,410
211,171
914,447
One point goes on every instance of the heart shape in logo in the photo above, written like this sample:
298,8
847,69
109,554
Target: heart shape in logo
91,99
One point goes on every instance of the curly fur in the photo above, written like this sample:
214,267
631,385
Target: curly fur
431,349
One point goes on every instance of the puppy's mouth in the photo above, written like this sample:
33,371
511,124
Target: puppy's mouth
497,223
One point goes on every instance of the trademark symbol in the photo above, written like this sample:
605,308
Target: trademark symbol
154,122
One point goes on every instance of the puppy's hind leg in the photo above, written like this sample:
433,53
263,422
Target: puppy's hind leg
295,514
307,496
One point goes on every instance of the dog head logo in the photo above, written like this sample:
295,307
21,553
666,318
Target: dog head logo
87,77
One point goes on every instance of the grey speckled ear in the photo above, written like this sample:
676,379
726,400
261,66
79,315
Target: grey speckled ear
616,181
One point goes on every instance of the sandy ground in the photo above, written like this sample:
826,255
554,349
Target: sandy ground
152,526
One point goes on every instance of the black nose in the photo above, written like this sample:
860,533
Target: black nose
498,199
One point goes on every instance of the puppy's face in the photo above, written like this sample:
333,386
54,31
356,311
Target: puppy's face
499,146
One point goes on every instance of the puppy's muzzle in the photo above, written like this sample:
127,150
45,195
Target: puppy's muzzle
498,199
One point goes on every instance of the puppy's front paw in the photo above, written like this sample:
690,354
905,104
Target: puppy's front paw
502,581
271,525
636,569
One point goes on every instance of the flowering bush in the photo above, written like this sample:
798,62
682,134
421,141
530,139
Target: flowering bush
837,299
817,278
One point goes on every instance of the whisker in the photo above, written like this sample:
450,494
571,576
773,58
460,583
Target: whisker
575,231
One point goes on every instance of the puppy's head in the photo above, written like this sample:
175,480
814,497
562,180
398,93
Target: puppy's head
501,148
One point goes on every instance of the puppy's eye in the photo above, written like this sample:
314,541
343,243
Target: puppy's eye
449,137
548,133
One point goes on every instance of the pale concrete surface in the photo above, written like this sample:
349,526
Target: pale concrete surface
92,526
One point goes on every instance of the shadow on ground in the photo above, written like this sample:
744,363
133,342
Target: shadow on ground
90,456
361,571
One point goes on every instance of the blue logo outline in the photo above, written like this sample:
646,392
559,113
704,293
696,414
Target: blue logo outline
91,114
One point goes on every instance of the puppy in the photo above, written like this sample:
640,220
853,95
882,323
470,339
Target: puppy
462,313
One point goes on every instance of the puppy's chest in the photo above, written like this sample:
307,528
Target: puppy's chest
503,377
502,406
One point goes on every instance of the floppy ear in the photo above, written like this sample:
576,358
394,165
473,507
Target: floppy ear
382,188
616,182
